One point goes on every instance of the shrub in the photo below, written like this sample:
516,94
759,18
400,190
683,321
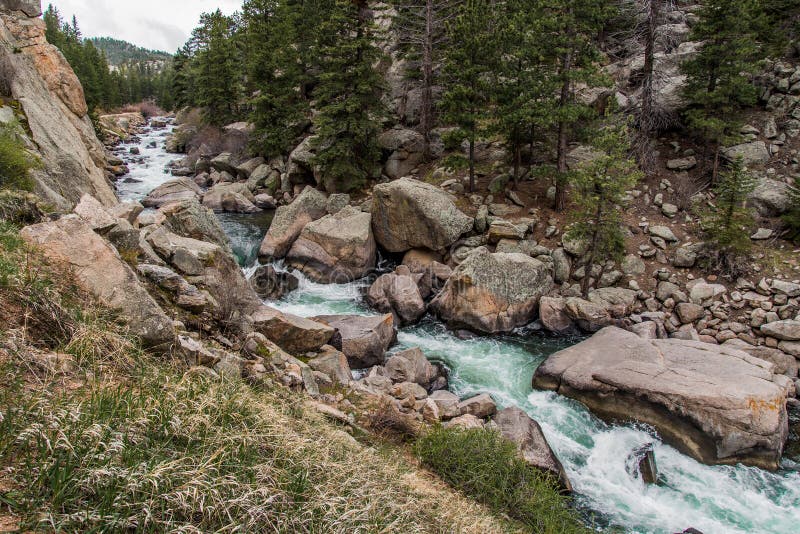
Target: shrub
486,466
15,161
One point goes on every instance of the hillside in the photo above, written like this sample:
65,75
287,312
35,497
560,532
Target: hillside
119,52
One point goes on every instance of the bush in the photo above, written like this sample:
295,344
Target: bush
15,161
489,468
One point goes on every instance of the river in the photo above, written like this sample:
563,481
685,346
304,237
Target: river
712,499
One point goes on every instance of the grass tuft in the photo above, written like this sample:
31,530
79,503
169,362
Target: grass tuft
487,467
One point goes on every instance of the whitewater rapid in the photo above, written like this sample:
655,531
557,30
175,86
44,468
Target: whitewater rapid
712,499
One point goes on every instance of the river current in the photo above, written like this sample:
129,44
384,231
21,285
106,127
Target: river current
712,499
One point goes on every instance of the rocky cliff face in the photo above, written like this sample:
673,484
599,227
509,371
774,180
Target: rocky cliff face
39,88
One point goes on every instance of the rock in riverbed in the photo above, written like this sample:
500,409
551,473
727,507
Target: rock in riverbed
715,403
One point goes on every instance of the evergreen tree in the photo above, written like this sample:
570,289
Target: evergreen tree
792,218
570,31
421,28
717,83
729,223
347,98
280,57
469,63
218,75
599,188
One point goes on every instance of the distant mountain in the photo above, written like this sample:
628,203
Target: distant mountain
119,52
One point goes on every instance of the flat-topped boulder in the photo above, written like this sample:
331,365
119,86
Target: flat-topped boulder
293,334
172,191
364,340
100,270
289,222
230,197
337,248
409,214
516,426
493,293
714,403
189,218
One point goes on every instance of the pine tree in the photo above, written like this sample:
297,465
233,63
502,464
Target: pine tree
467,72
280,51
421,28
792,218
728,225
218,74
570,31
523,93
347,98
599,189
717,83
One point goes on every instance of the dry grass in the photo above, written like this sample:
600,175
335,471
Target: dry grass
121,441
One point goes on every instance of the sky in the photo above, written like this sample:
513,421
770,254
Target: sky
155,24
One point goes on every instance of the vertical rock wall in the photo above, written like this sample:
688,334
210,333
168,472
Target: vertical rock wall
38,83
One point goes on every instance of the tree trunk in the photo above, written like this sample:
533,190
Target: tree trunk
426,113
646,120
472,163
715,172
563,141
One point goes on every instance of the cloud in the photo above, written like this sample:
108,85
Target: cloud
156,24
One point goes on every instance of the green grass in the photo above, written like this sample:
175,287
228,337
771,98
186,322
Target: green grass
15,161
488,468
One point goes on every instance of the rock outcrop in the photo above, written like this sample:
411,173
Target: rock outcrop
493,293
51,102
337,248
98,268
715,403
515,425
408,214
289,221
364,340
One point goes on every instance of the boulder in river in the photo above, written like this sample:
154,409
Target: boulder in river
337,248
271,284
289,222
364,340
493,293
516,426
398,293
408,214
230,197
714,403
293,334
172,191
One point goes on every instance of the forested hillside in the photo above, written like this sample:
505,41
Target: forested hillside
132,80
119,52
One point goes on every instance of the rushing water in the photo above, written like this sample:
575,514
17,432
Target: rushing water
712,499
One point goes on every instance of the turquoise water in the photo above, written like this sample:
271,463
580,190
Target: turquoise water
714,500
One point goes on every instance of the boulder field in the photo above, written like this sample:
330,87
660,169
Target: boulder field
715,403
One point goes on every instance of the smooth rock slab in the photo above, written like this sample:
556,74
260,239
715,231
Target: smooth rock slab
99,269
714,403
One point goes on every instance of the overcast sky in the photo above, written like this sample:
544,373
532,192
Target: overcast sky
156,24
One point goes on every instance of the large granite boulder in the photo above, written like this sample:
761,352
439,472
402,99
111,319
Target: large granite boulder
337,248
188,218
412,366
751,153
410,214
364,340
289,221
770,198
230,197
98,268
172,191
493,293
516,426
714,403
406,149
398,293
293,334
